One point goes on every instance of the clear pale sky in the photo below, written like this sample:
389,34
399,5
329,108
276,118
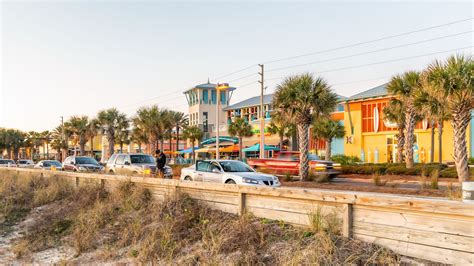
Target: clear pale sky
66,58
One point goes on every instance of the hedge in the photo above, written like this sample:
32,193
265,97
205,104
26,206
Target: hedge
345,159
391,168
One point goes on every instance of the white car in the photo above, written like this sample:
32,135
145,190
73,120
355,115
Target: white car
23,163
227,172
7,163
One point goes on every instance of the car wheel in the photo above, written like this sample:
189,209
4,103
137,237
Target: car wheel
188,178
230,181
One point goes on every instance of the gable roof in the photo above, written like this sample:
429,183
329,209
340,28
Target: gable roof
253,101
376,92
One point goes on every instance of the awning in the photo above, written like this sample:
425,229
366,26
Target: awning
256,148
206,150
230,149
188,150
221,140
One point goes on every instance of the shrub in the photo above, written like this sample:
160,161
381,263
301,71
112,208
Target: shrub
434,179
366,169
345,159
471,160
378,180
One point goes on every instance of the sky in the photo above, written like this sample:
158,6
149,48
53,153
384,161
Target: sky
64,58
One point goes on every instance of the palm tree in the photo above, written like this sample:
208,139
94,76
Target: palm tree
453,82
240,128
79,126
432,109
280,126
150,120
14,140
404,87
59,141
139,137
304,98
179,121
327,130
122,133
395,112
33,141
92,131
108,121
193,134
46,136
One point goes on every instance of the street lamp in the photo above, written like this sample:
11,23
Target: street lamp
219,87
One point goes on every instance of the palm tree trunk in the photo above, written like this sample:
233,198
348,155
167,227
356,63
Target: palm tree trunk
240,148
170,143
281,141
111,145
440,140
193,154
432,141
460,123
328,150
177,138
92,146
303,143
409,136
400,144
121,147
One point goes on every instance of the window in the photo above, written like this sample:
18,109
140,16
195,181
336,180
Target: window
202,166
223,97
142,158
120,159
340,107
112,158
368,117
213,166
213,96
204,121
205,96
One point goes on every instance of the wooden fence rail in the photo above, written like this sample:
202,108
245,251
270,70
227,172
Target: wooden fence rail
427,228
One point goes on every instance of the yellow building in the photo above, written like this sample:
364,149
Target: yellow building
373,139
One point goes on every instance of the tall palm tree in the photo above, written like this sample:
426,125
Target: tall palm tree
404,87
432,109
14,140
93,128
395,112
108,121
150,120
304,98
240,128
179,121
59,141
33,142
79,126
46,136
122,132
193,134
281,126
453,82
327,130
138,137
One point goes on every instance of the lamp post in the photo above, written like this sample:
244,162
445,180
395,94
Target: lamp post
219,87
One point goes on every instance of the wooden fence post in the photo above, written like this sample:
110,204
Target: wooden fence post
241,203
347,221
77,181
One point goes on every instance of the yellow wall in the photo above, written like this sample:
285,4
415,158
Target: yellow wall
371,141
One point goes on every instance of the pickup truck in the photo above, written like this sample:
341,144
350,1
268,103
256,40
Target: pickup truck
288,162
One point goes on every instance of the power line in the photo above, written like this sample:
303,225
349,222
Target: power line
243,77
366,42
368,52
235,72
382,62
358,81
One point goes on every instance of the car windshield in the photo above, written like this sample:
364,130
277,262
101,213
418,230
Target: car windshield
313,157
142,159
235,166
52,163
22,162
85,160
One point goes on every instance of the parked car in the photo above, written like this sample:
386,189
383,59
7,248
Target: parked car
227,172
288,162
82,164
134,164
25,163
7,163
49,165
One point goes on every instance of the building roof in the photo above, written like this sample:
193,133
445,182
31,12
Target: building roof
267,99
207,85
253,101
376,92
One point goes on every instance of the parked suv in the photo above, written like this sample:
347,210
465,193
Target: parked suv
134,164
81,164
7,163
22,163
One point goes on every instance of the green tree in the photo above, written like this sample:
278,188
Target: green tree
304,98
33,140
453,82
46,136
93,128
240,128
59,141
14,139
281,126
179,121
109,122
327,130
404,88
153,123
78,126
394,112
122,132
193,134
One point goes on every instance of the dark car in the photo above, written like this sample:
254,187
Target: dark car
134,164
82,164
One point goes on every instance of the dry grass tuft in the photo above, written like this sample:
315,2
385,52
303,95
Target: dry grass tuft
378,181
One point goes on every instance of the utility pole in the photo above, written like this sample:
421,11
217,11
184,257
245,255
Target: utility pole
262,113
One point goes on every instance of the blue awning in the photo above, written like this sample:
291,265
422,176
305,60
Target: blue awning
256,148
221,139
188,150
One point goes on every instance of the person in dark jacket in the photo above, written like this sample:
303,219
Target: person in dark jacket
160,163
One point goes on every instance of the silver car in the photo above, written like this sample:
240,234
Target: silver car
228,172
49,165
134,164
7,163
23,163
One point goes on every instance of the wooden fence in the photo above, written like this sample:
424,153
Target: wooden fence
427,228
